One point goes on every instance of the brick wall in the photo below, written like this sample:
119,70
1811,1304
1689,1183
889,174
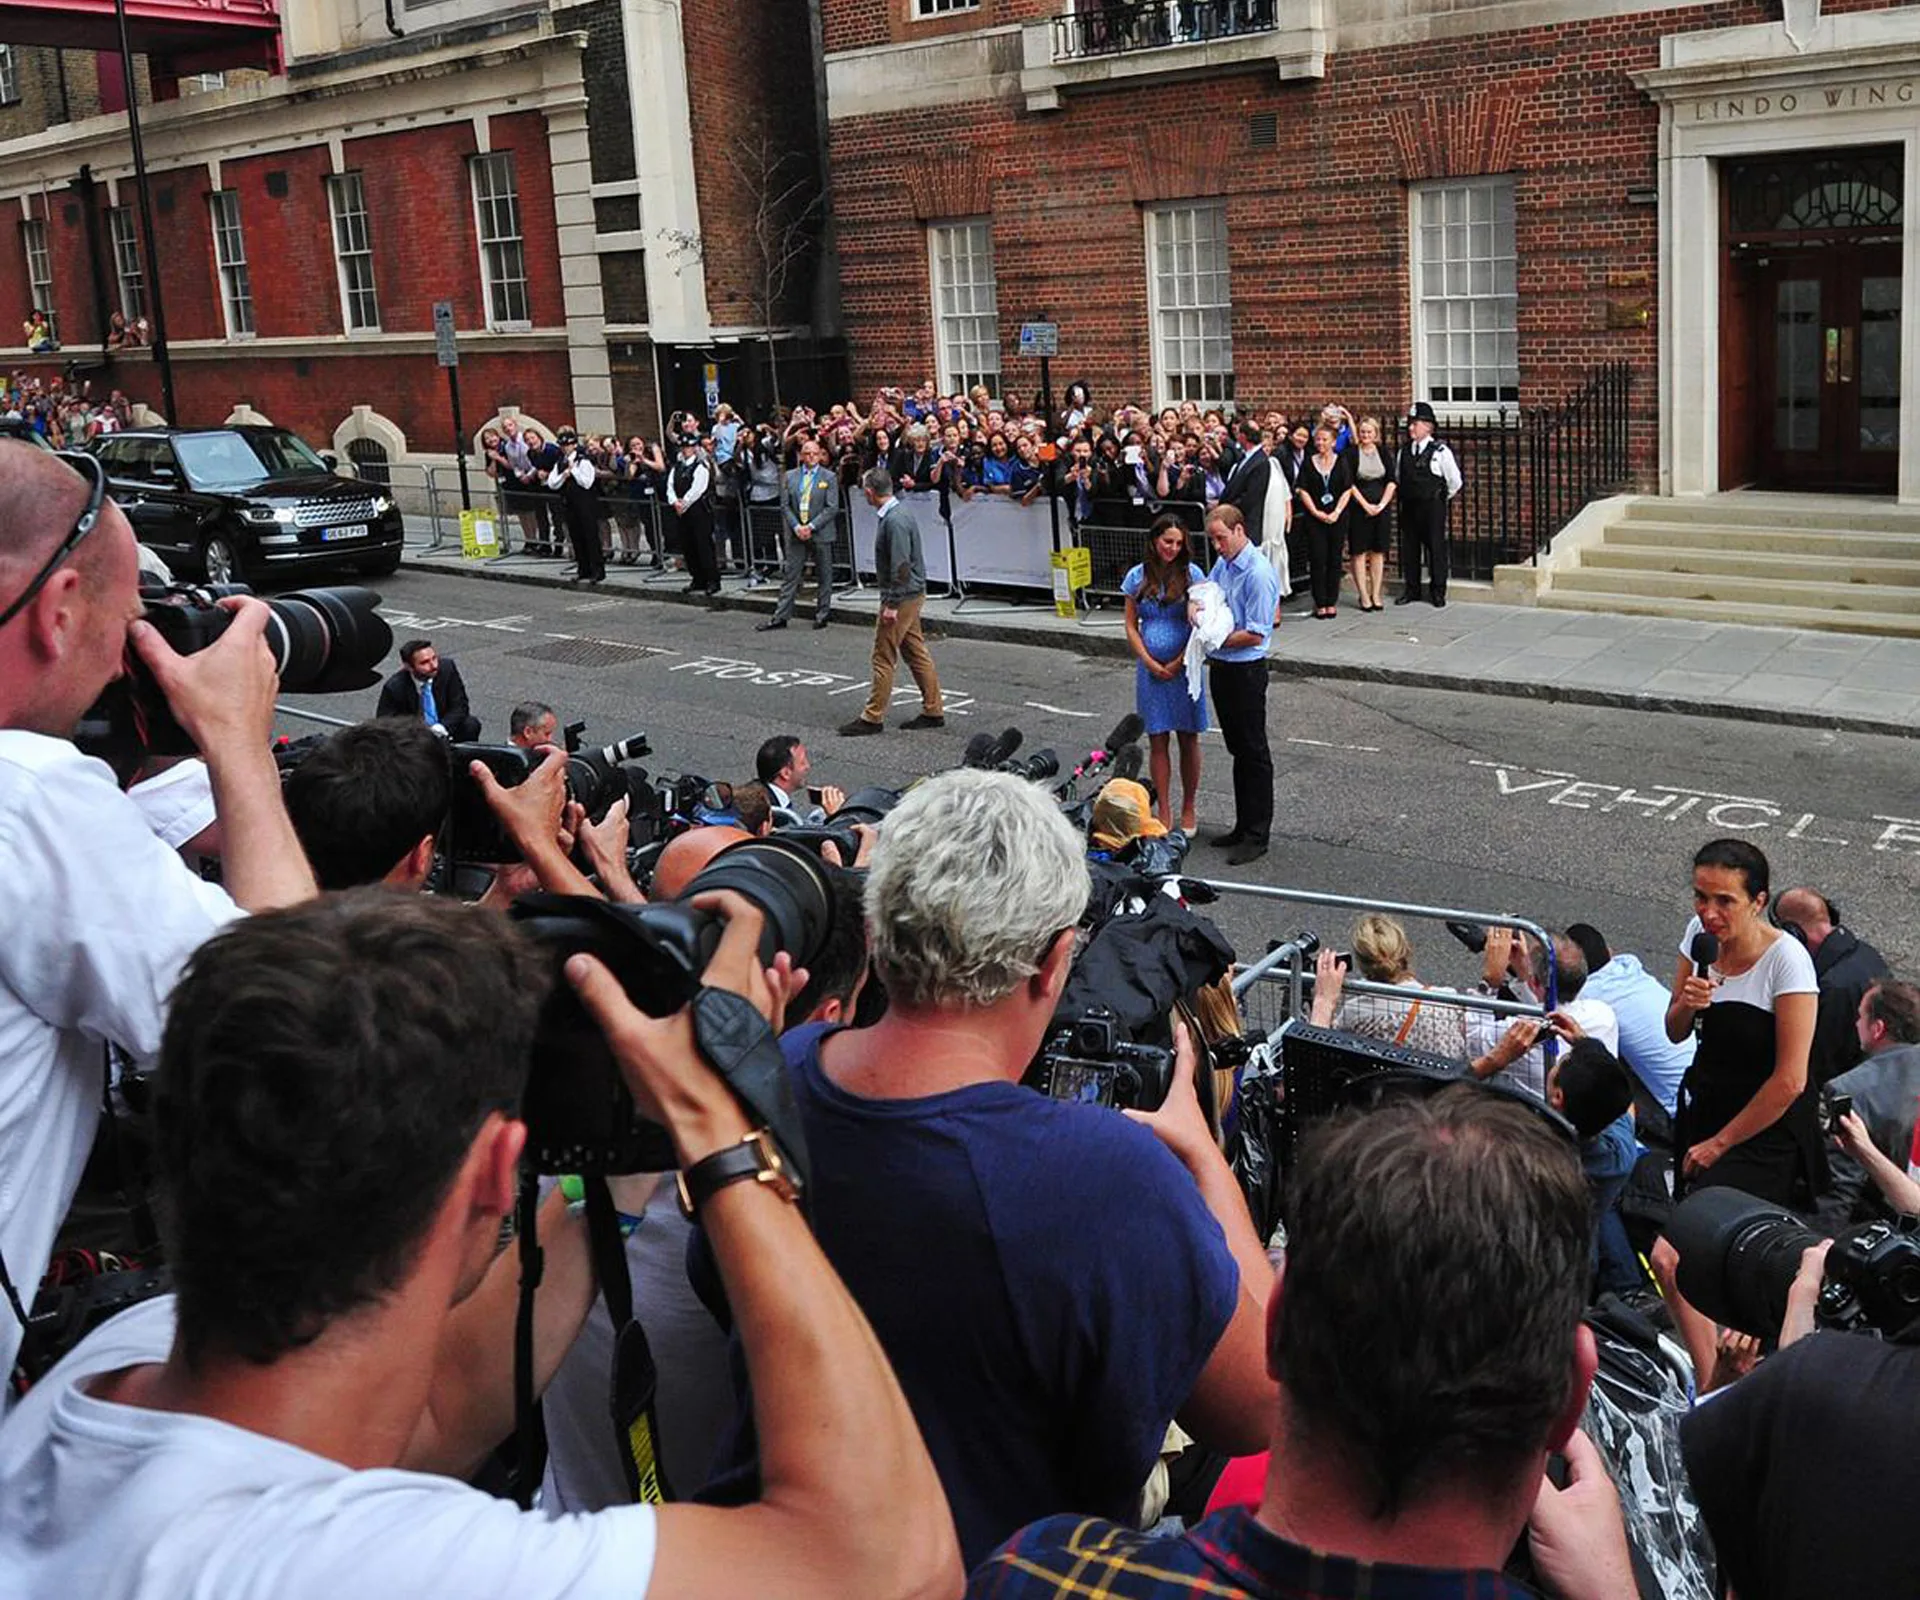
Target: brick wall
1317,226
609,98
287,226
747,69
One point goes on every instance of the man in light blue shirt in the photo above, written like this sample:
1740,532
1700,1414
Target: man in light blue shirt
1238,672
1639,1000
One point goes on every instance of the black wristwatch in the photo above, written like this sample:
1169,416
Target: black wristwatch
756,1157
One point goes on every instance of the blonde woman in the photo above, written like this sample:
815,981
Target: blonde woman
1367,520
1384,954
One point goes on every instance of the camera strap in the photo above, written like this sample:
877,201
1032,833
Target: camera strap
736,1041
636,1376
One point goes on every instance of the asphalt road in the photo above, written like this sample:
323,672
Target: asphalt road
1558,813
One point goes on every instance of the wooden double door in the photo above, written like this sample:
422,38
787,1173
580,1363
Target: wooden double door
1810,366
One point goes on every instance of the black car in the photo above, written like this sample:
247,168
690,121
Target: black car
234,504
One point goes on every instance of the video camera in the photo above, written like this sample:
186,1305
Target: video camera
1086,1060
324,641
1739,1256
580,1117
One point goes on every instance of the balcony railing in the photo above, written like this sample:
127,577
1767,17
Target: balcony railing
1120,27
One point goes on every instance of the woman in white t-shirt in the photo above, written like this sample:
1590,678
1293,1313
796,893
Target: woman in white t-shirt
1748,1114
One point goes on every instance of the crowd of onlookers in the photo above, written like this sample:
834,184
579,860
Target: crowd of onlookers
65,414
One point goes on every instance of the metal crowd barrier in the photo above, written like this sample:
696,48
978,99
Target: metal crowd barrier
1274,991
1116,536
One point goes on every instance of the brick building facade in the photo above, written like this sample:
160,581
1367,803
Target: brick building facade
559,176
1278,202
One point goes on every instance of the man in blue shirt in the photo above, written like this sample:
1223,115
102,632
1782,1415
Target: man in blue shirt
1052,1281
1639,1000
1239,677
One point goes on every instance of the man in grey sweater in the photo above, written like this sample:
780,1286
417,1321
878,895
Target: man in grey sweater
902,569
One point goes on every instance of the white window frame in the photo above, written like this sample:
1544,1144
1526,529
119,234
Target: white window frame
503,251
1198,312
9,76
230,257
33,244
966,343
933,10
353,253
1463,268
129,270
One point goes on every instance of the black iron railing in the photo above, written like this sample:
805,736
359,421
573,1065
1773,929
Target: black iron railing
1115,27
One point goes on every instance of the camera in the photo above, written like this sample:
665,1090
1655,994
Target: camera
1739,1256
1038,767
596,779
580,1117
324,641
1085,1060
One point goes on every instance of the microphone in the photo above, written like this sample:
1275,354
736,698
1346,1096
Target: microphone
1004,746
979,751
1125,732
1703,952
1127,763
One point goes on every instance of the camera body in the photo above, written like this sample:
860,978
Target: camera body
596,779
1087,1061
580,1117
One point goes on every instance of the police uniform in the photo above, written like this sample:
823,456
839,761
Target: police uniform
1426,476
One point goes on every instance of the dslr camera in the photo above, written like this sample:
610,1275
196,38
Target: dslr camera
596,779
324,641
1086,1060
579,1115
1739,1257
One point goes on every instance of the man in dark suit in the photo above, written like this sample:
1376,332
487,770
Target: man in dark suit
810,513
1247,485
431,689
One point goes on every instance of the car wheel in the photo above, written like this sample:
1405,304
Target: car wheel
381,566
219,560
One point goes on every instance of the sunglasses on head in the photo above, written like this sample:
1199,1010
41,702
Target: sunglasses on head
89,518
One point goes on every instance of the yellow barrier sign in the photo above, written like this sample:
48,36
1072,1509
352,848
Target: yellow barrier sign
479,535
1072,571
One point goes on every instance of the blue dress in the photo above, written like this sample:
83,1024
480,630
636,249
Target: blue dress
1164,706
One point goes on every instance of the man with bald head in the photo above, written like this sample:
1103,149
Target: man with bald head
684,858
1846,965
100,914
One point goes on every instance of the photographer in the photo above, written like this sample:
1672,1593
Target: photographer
1095,1274
295,1421
369,803
100,914
1800,1469
1426,1335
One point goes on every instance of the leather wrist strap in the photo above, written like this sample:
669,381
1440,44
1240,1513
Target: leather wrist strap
754,1157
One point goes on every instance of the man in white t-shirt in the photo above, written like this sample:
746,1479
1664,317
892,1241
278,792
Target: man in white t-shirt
1514,967
335,1129
98,913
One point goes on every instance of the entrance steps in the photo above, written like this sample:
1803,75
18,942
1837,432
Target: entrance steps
1829,562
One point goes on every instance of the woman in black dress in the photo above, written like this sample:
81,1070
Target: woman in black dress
1324,486
1748,1115
1367,519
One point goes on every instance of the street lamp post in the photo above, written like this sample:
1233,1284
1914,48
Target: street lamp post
161,356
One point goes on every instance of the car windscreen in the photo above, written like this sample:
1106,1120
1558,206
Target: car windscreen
216,461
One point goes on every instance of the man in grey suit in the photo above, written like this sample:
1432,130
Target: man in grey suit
810,510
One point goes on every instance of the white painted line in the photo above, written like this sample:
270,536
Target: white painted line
1712,794
1328,744
1058,711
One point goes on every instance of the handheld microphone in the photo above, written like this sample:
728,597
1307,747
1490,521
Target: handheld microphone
1127,763
1703,952
1125,732
979,751
1004,746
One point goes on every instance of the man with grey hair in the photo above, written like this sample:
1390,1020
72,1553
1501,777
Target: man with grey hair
1053,1282
902,569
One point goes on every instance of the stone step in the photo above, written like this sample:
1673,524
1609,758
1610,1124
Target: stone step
1822,513
1890,625
1822,567
1735,593
1833,544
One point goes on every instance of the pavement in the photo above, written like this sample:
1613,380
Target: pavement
1845,682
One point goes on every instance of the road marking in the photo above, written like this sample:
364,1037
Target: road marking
1058,711
428,624
1328,744
733,669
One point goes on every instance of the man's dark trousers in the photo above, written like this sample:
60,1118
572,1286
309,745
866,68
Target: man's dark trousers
1423,530
1240,702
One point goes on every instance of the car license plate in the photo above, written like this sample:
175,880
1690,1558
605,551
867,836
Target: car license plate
357,531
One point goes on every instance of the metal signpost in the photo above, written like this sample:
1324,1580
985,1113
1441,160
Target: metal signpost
448,353
1042,339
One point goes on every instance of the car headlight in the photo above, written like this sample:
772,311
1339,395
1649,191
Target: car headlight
280,514
381,505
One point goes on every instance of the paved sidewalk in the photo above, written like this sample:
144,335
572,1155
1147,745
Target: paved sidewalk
1808,679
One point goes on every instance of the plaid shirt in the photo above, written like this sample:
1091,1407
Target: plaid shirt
1227,1555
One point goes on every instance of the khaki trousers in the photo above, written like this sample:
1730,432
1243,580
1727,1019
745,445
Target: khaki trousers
891,641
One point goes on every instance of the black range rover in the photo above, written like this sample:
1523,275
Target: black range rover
234,504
